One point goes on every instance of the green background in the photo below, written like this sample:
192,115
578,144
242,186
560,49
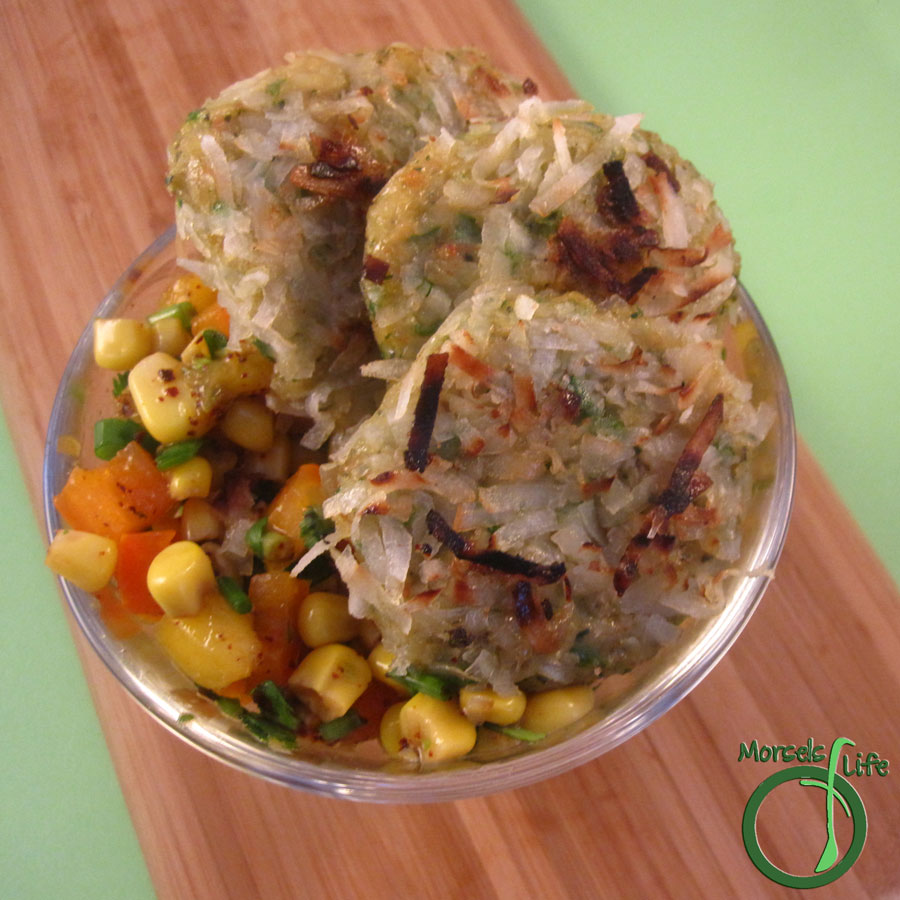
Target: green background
791,108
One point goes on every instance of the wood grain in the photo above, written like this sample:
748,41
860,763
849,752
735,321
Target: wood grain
100,87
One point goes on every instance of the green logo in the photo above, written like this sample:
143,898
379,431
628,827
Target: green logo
830,866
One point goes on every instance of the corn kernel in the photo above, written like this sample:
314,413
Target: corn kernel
200,521
389,734
250,424
162,398
189,288
323,618
190,479
120,344
436,729
214,648
170,336
481,704
180,578
87,560
381,661
552,710
197,348
330,679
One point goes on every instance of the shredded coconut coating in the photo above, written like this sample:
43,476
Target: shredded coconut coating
272,180
559,197
557,428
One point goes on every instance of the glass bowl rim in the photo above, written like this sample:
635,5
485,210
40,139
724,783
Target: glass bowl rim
622,723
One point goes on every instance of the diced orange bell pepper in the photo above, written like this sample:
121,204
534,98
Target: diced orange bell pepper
215,317
372,705
301,491
136,552
114,615
237,690
124,495
276,598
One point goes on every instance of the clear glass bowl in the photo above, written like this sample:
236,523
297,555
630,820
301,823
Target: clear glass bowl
624,705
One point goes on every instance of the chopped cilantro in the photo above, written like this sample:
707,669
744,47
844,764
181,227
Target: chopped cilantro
425,235
264,348
605,419
467,230
314,527
120,382
254,536
450,448
112,435
544,226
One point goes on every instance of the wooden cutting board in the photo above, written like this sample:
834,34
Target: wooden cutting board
100,87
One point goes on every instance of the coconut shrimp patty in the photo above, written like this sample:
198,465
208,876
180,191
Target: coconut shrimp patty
547,492
272,180
559,197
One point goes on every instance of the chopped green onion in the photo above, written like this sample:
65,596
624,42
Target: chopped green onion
234,594
341,727
420,681
467,230
587,656
120,382
185,717
274,705
314,527
513,731
276,545
215,340
254,536
176,454
183,311
112,435
265,349
257,725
